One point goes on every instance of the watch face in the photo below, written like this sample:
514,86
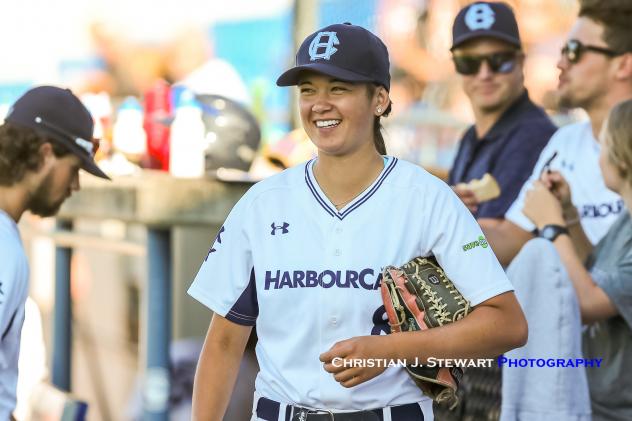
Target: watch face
551,232
548,232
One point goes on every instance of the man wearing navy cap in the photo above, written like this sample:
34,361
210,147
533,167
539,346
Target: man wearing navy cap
505,141
45,139
509,130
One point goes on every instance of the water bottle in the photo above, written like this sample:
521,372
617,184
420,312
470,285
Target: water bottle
158,109
128,136
186,155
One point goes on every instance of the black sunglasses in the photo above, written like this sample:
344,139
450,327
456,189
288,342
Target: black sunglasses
90,146
503,62
574,49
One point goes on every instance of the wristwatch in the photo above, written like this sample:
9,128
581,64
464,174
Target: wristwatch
551,232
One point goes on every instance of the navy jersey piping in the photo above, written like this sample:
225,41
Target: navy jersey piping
334,213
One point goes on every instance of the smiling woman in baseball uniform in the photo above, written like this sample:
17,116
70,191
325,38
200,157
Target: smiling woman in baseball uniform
301,254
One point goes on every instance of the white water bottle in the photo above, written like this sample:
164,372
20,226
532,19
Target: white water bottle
128,135
186,154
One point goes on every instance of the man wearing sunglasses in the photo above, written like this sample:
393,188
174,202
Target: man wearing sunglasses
595,74
509,131
45,139
508,134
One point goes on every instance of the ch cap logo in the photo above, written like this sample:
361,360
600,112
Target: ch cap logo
479,16
317,44
283,228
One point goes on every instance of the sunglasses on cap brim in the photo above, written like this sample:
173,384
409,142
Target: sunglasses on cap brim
503,62
574,49
90,146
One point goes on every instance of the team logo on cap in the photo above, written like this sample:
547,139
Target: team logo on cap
479,16
318,45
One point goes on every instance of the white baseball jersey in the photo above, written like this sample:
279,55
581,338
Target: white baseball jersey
14,275
578,161
308,275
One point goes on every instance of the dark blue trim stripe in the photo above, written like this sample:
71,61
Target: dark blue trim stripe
246,309
9,326
314,191
362,200
373,189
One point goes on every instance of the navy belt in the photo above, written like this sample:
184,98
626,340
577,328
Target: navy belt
268,410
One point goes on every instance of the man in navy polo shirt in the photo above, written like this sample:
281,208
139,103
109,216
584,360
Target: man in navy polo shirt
509,130
505,141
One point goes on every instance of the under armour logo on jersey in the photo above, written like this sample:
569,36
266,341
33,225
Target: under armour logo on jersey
479,16
317,45
218,240
283,228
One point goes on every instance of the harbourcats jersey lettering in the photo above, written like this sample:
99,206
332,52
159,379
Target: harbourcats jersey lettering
365,279
602,210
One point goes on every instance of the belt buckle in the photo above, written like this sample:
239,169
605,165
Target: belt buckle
304,413
322,412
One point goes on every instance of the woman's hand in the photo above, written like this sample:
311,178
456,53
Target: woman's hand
349,360
556,183
542,207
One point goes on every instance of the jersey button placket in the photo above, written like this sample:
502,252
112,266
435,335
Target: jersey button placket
338,230
334,304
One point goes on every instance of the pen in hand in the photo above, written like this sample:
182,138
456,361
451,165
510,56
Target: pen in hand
547,164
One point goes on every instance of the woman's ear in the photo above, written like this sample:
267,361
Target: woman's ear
382,100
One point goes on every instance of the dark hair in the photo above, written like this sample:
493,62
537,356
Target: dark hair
378,139
615,17
19,152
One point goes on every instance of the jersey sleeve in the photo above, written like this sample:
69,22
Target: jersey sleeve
514,213
452,235
9,295
225,282
13,287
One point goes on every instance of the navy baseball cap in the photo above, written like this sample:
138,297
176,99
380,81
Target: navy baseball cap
58,114
485,19
344,51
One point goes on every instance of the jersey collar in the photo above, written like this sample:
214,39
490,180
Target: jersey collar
326,204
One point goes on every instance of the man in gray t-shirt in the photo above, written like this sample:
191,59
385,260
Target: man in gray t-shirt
611,339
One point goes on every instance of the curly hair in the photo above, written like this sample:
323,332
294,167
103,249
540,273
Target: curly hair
619,138
615,16
19,152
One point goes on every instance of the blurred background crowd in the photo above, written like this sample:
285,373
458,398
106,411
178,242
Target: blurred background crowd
188,88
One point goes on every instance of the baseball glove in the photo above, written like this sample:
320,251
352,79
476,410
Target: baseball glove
419,296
